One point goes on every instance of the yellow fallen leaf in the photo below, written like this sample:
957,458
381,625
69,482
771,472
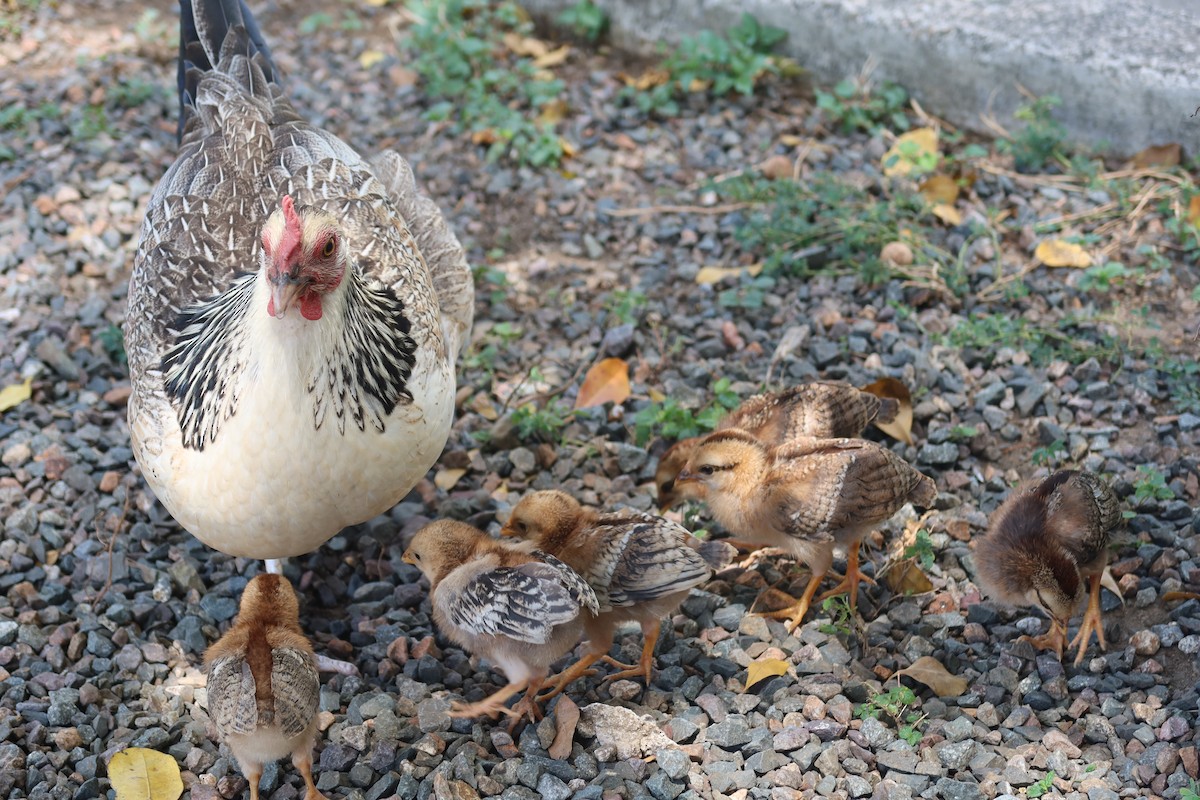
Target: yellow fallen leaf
1162,155
711,275
910,148
525,45
482,405
568,150
929,671
137,773
370,58
553,58
378,3
485,136
906,577
655,395
607,381
764,668
553,112
445,479
647,80
947,214
792,141
1059,253
698,85
1194,210
900,426
939,189
15,394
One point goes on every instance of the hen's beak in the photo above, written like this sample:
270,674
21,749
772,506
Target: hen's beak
285,290
409,558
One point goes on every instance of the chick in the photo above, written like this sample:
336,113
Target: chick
820,410
263,685
1043,541
518,608
640,566
804,497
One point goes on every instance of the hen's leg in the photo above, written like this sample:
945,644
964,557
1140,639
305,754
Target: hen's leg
274,566
854,576
794,614
1092,621
302,761
490,706
645,665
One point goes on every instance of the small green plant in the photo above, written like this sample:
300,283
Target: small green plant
1183,383
963,433
316,22
113,342
724,397
132,92
585,19
921,550
751,293
1041,140
1042,786
92,122
841,618
506,331
1050,455
1151,485
626,305
673,422
541,424
1104,277
1191,791
852,106
895,703
482,87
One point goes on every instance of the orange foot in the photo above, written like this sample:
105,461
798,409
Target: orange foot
645,666
849,584
1054,639
794,614
1092,621
491,706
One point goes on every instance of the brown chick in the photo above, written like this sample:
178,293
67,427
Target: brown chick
1043,542
804,497
819,410
518,608
263,685
640,566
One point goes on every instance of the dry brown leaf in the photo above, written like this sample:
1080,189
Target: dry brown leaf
137,773
403,76
900,159
647,80
445,479
777,167
370,58
568,149
1060,253
482,405
553,112
1160,155
607,381
906,577
947,214
939,189
929,671
901,427
710,275
566,717
525,45
1194,210
1169,597
764,668
792,141
15,394
896,254
553,58
485,136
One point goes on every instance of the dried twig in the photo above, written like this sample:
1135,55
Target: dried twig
641,212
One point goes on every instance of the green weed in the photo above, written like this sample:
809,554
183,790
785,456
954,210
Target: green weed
1183,382
1050,455
1042,786
626,305
132,92
921,550
990,332
1191,791
673,422
586,20
852,106
1041,140
1151,485
113,342
487,91
92,122
841,618
895,703
541,424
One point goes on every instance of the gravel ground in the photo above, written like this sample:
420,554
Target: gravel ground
107,606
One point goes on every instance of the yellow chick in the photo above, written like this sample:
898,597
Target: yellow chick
519,609
820,410
263,686
1044,541
804,497
640,566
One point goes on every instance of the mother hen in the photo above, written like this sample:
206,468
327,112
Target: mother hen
295,312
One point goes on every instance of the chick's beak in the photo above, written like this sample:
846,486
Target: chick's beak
409,558
684,476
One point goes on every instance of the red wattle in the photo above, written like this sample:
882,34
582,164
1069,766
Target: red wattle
310,306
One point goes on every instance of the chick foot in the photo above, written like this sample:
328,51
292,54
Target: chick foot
576,671
794,614
491,706
302,761
849,583
1092,621
1054,639
527,706
645,666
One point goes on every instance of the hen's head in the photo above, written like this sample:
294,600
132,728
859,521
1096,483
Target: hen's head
304,256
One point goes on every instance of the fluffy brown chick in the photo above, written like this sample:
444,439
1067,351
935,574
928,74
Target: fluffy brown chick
1044,541
263,685
518,608
640,566
819,410
804,497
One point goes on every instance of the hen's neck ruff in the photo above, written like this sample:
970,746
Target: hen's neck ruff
352,364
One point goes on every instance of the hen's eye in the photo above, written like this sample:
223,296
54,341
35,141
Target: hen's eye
327,250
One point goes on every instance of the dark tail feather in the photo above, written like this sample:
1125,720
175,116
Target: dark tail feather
889,407
203,28
717,554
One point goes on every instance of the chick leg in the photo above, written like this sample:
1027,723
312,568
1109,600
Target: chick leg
854,576
794,614
253,772
1091,622
572,673
528,705
1054,639
302,761
645,665
490,706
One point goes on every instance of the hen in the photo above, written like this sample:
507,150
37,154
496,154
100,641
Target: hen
1044,542
295,312
805,497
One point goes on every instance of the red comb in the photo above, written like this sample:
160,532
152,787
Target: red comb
289,240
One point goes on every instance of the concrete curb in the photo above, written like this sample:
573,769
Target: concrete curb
1128,72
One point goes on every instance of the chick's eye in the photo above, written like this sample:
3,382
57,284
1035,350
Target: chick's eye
707,469
330,246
